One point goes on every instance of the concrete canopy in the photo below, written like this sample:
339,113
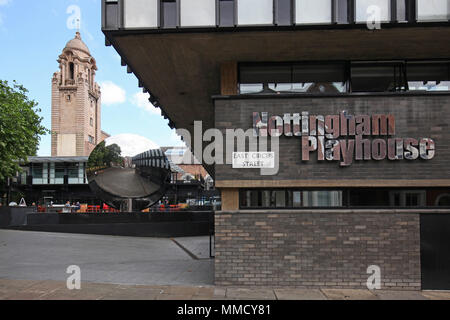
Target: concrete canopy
182,69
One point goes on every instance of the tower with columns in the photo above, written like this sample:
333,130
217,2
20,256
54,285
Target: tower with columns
76,102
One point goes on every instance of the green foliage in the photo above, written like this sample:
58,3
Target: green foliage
20,128
103,155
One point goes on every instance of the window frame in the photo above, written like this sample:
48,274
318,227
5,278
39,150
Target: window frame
275,13
177,13
234,24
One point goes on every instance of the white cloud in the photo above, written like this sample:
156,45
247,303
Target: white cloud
175,140
131,144
4,2
112,93
140,100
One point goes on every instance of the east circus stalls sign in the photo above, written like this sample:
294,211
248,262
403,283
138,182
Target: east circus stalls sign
344,137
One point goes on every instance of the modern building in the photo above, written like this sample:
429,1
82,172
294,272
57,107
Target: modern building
61,179
54,179
190,182
355,96
76,103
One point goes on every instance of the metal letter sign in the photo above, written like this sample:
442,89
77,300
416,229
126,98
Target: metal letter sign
343,138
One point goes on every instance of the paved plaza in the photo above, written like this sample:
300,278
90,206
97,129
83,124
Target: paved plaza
106,259
33,266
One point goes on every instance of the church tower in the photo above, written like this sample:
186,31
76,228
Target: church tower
76,102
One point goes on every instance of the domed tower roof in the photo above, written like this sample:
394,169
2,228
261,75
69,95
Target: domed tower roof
76,44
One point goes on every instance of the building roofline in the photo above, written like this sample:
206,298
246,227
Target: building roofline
56,159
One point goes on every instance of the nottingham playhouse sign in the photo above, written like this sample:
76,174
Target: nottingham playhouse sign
344,137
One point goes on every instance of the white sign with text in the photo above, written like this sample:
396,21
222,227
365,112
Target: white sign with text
253,160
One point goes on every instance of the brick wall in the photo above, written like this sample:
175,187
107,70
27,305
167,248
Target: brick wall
416,117
308,249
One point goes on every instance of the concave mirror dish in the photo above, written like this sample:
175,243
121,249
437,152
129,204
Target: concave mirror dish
128,172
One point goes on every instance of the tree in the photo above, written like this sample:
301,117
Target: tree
113,154
20,128
104,155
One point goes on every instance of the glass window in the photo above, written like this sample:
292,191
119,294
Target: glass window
283,12
255,12
292,77
279,198
296,199
266,201
428,76
408,198
366,9
198,13
317,11
37,171
226,13
378,77
73,173
433,10
141,13
443,200
322,198
169,17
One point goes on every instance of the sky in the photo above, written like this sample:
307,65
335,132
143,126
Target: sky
33,35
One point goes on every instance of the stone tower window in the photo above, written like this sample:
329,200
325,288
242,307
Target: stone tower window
71,70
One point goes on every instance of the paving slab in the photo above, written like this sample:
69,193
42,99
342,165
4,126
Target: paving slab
436,295
299,294
348,294
103,259
198,246
173,297
88,291
399,295
11,284
220,292
56,290
132,294
250,294
45,286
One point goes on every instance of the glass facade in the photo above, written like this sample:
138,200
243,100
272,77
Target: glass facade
313,12
198,13
348,198
424,76
367,10
433,10
344,77
56,173
285,199
141,13
228,13
255,12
